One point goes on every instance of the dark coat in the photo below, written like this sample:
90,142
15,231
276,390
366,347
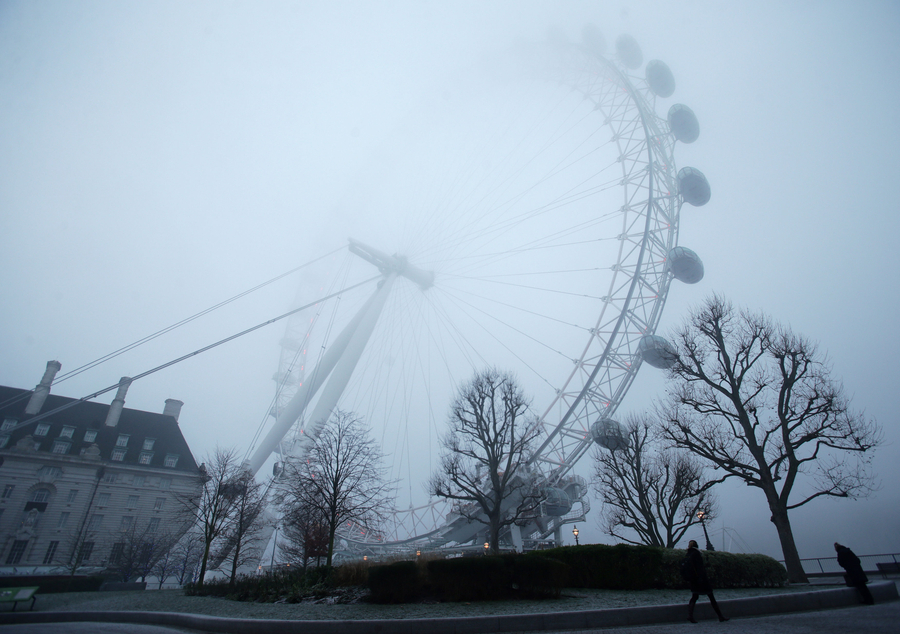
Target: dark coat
850,562
697,578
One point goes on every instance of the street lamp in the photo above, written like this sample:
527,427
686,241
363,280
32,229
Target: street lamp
575,533
701,515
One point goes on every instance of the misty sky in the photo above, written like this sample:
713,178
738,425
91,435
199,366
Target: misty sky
158,158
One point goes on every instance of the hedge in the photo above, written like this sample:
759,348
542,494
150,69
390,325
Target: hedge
478,578
627,567
51,584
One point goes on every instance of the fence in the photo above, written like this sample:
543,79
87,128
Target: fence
828,566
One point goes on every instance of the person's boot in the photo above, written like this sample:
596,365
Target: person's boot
691,612
718,611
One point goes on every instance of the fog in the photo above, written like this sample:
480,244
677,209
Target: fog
159,158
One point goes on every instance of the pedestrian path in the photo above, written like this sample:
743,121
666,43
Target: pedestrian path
740,611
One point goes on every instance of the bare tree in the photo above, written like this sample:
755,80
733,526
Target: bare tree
168,562
341,479
758,402
483,466
241,538
187,553
136,549
648,491
211,503
306,535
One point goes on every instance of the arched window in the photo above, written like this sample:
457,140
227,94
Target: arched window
39,495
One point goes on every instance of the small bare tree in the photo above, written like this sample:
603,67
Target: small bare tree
187,554
136,549
650,495
486,452
341,479
241,538
211,504
755,400
306,535
167,564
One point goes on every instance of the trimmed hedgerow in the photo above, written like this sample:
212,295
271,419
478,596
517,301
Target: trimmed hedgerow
498,577
51,584
399,582
627,567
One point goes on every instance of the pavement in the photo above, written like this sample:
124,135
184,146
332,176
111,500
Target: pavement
814,612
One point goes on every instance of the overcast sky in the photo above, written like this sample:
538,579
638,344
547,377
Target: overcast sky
158,158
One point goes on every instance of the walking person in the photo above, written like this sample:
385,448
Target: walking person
694,571
855,576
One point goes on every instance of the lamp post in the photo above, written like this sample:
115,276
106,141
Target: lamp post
575,533
701,515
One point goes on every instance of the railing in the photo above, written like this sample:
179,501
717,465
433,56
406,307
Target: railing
828,566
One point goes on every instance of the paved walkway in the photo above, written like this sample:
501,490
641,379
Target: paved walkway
797,613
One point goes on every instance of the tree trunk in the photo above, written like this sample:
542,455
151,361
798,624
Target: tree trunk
203,564
788,547
234,563
495,533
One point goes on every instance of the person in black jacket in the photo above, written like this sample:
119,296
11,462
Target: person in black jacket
695,571
855,576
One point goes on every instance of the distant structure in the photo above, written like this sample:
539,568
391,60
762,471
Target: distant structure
77,485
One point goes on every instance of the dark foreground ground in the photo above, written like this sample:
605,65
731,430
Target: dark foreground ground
609,612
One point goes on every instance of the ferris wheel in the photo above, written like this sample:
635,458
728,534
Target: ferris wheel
527,218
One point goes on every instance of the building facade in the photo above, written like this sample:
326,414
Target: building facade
85,485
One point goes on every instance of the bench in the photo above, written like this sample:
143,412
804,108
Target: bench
14,595
891,568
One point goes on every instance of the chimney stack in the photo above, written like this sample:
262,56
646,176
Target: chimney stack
173,408
115,408
42,389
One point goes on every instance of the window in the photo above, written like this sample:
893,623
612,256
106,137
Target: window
63,519
145,457
40,495
103,499
8,423
73,493
96,522
154,525
146,553
118,454
110,478
164,484
90,435
127,521
132,502
115,555
157,506
148,444
42,429
16,552
61,446
7,490
4,440
139,481
51,551
49,472
171,460
87,549
67,432
122,440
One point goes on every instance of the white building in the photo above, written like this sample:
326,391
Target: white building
79,480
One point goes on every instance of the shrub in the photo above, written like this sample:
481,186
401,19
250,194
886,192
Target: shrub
498,577
398,582
51,584
351,574
627,567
